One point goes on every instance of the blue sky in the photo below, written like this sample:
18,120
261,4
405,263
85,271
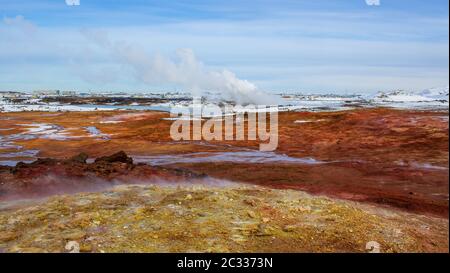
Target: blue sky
342,46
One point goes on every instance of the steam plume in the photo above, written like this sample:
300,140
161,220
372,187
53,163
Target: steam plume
186,70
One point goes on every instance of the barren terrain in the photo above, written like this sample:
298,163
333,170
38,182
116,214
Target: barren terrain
393,163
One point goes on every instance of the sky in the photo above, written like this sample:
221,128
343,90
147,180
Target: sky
316,46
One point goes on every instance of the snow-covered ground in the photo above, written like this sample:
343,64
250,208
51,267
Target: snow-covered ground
8,107
433,98
428,95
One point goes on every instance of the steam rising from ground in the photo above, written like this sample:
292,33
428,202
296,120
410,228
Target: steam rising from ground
185,70
55,184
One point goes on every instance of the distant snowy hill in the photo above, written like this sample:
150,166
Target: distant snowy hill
438,93
428,95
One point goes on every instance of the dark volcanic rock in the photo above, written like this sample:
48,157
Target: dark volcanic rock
47,176
40,162
45,161
117,157
80,158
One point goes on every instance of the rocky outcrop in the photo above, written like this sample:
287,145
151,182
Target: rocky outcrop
117,157
47,176
80,158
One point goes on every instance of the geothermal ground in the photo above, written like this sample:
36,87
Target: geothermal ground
337,181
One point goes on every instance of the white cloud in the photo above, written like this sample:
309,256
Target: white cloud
295,53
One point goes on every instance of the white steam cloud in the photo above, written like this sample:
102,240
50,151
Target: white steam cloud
185,70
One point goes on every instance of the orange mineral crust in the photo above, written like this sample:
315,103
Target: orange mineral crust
396,158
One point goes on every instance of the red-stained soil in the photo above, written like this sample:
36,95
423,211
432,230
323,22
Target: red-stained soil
389,157
48,176
419,191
